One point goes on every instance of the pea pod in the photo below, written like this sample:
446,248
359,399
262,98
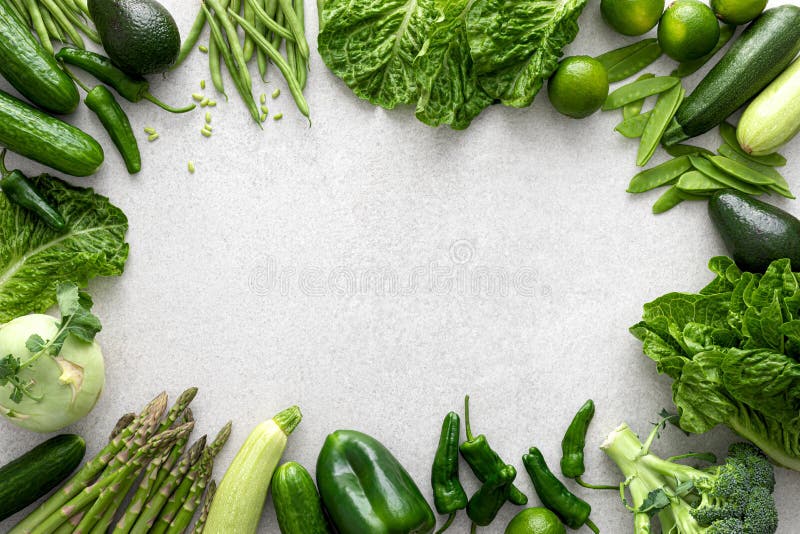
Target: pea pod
728,133
665,108
633,127
697,183
778,185
686,150
658,176
635,108
706,167
638,90
668,200
740,171
624,62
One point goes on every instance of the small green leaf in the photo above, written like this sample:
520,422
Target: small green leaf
35,343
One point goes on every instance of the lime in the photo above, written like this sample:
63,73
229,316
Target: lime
737,11
688,30
535,521
579,86
632,17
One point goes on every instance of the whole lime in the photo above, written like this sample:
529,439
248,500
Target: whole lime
535,521
688,30
632,17
737,11
578,87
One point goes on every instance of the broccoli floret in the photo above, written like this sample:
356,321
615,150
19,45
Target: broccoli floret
732,498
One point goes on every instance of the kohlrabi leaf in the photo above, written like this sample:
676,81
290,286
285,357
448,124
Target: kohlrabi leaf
371,45
34,258
449,92
516,44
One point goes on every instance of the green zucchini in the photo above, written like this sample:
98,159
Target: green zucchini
38,471
40,137
297,502
773,118
762,52
31,69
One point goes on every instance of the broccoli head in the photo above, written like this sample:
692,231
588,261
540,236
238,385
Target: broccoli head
732,498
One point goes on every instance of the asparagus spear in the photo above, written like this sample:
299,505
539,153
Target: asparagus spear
89,471
209,497
167,466
157,501
122,424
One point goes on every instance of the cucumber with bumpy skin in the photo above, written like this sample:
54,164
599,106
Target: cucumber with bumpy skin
762,52
40,137
773,118
297,502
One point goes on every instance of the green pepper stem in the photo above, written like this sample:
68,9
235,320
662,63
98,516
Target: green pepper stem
592,526
447,523
166,107
586,485
3,170
467,426
74,78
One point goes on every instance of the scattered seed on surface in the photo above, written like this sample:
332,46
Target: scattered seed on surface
276,93
208,127
204,102
203,49
202,84
149,131
152,137
208,117
263,98
197,97
277,116
205,132
212,103
263,117
191,167
265,110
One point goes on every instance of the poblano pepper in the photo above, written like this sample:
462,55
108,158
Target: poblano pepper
483,460
365,489
448,495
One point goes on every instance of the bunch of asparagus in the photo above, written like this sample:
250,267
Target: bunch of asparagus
147,447
56,20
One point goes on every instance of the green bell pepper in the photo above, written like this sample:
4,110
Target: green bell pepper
365,489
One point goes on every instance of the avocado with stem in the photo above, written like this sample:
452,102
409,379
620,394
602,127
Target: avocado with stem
755,233
140,36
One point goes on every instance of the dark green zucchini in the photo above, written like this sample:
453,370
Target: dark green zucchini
40,137
31,69
762,52
39,470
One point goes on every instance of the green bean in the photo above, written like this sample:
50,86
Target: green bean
294,24
291,58
20,11
671,198
276,57
638,90
302,63
740,171
320,12
269,22
633,127
76,18
664,110
624,62
191,38
697,183
690,67
686,150
779,184
244,88
236,6
635,107
52,29
237,54
250,17
63,22
38,24
728,133
261,58
659,175
706,167
72,6
83,7
277,39
214,67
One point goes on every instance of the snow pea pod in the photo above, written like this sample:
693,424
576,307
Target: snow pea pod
728,133
671,198
634,108
659,175
779,184
697,183
633,127
740,171
686,150
706,167
624,62
665,108
638,90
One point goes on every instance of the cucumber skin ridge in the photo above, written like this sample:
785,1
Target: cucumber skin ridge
741,73
50,141
31,69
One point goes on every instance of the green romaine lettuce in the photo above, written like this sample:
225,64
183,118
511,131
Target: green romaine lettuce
34,258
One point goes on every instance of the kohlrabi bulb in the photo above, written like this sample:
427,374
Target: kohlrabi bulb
68,385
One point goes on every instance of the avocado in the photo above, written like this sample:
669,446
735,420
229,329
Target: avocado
140,36
755,233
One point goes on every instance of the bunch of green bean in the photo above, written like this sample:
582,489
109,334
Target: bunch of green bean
267,26
57,20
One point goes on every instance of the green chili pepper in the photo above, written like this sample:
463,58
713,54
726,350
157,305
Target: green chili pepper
448,495
572,446
23,193
131,88
105,106
483,460
487,501
573,511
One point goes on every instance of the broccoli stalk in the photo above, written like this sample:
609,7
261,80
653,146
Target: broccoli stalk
732,498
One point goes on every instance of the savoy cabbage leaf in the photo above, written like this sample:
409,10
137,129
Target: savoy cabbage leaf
34,258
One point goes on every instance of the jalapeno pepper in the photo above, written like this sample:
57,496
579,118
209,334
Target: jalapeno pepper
132,89
492,495
572,510
573,444
448,495
115,121
483,460
22,192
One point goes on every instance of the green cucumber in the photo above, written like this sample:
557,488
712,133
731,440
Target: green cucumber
31,69
773,118
38,471
762,52
297,502
40,137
